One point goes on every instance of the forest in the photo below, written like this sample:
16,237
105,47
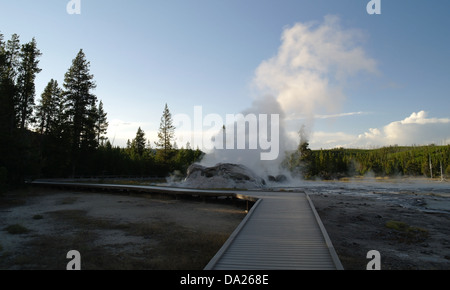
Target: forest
394,161
62,134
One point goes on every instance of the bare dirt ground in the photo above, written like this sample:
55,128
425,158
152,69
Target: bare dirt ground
39,226
407,238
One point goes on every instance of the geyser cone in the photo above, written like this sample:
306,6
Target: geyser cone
222,175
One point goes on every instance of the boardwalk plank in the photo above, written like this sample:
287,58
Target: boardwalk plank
281,233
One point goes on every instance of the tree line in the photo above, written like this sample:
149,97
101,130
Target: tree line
63,133
428,161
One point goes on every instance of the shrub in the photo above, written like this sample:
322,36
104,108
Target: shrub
406,233
16,229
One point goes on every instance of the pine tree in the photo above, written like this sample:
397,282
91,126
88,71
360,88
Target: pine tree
166,131
60,124
52,124
101,125
6,114
13,57
49,108
138,143
6,92
166,134
81,113
9,60
28,69
82,109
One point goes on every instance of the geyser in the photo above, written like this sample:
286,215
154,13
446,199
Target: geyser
305,77
222,175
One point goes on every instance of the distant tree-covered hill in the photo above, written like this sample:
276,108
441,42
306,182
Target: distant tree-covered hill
430,161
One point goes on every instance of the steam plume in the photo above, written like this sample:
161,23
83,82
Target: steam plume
306,77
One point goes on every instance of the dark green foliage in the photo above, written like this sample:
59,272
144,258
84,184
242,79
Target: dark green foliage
386,161
101,126
50,117
28,69
138,144
81,111
16,229
116,161
406,233
166,134
19,149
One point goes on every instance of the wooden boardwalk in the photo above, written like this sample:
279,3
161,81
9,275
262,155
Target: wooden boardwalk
281,232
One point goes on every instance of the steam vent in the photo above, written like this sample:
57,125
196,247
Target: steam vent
222,175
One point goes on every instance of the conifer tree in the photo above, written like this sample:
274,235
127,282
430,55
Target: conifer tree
82,109
166,135
13,57
166,132
138,143
7,90
7,115
9,61
28,69
101,125
48,109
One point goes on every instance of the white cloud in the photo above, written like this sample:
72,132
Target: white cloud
339,115
327,116
417,129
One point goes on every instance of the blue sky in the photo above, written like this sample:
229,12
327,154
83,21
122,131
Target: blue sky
384,80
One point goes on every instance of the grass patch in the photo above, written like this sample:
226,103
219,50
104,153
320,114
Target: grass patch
406,233
397,225
38,217
16,229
